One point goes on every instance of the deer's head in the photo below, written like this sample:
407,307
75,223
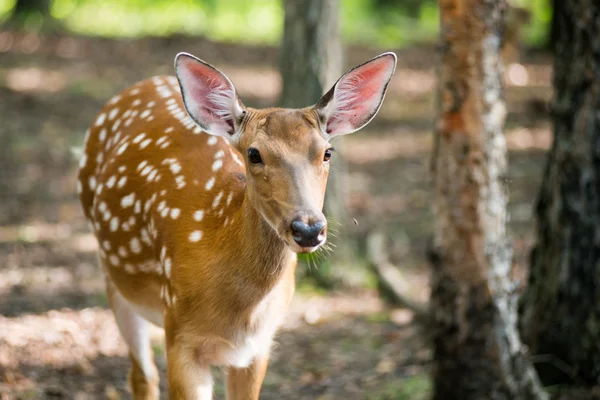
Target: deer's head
287,151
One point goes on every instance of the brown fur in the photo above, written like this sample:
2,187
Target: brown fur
239,277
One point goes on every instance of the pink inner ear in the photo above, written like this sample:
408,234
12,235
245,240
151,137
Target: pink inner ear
212,95
358,95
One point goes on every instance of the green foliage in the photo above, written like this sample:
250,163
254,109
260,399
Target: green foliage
6,7
389,24
381,23
536,32
232,20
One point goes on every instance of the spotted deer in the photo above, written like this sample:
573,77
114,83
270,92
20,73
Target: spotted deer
200,204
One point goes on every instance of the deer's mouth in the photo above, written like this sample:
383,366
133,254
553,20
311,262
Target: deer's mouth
304,249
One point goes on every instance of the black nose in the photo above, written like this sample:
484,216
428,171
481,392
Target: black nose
308,235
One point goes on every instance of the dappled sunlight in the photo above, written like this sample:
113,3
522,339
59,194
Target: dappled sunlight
35,80
35,231
395,143
516,74
316,309
37,278
523,139
409,81
59,338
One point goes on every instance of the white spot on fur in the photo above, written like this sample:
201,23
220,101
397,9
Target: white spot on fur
152,174
175,213
168,267
114,259
135,245
195,236
114,224
100,120
217,200
113,113
83,160
146,170
198,215
115,99
210,183
122,181
145,143
127,201
236,158
139,138
122,148
123,252
217,165
111,182
175,168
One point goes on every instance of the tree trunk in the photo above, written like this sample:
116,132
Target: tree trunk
561,307
477,350
310,65
310,52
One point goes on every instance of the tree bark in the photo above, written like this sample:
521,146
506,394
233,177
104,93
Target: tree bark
310,65
561,306
477,351
310,52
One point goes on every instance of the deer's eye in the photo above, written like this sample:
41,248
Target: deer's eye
327,155
254,156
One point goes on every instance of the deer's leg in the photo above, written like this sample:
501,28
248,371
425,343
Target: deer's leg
245,383
143,376
188,376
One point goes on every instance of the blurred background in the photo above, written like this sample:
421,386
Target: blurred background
347,336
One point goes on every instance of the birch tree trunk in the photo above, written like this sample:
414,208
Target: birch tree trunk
561,307
477,351
310,65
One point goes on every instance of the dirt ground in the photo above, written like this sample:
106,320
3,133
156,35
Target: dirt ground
57,337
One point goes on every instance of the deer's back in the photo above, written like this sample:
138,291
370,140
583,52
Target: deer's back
151,183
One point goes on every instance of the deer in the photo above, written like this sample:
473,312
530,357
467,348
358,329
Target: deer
200,206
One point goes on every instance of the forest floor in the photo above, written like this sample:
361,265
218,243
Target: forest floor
57,337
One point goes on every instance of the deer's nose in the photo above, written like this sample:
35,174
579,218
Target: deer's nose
306,235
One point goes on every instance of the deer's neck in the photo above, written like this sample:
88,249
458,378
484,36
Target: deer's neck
263,255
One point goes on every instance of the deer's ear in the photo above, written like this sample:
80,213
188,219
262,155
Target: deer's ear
209,96
356,97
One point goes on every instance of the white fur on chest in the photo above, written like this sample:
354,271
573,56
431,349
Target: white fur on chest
264,322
